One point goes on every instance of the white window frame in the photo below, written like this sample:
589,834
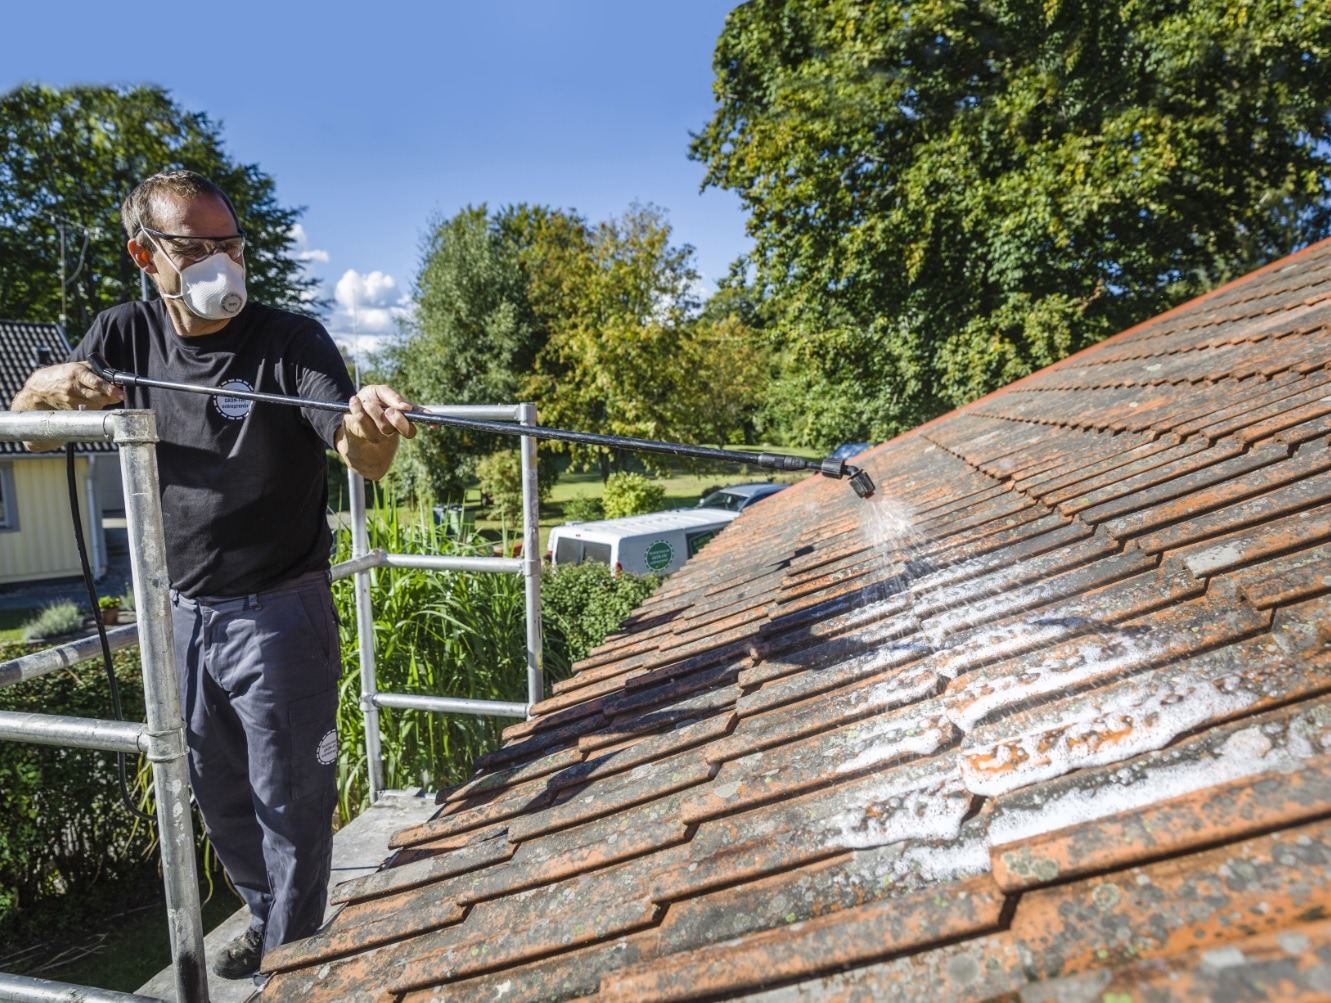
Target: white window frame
8,498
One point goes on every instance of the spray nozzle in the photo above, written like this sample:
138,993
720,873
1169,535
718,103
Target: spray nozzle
861,482
859,479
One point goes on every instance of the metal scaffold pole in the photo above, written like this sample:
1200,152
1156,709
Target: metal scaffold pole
531,559
137,438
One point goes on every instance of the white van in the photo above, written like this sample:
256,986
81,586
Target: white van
659,542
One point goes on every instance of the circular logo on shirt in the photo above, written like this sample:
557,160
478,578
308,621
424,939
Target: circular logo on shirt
326,753
234,408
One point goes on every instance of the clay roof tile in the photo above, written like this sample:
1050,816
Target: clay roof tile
1049,718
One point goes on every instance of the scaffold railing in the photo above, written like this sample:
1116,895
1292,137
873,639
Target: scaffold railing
162,737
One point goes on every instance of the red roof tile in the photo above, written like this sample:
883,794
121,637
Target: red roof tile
1048,719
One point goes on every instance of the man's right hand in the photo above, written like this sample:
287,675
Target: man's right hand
66,387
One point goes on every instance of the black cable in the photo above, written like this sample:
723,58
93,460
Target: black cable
101,626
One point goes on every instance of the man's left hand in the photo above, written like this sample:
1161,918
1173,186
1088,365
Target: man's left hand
377,414
369,434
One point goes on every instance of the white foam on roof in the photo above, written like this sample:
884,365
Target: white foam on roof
1246,752
1125,727
1059,671
930,810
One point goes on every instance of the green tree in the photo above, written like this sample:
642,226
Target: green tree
475,332
628,352
620,306
731,352
73,154
947,195
598,325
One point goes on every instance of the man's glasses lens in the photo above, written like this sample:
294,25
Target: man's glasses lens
198,248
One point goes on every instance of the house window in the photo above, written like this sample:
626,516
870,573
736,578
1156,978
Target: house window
8,514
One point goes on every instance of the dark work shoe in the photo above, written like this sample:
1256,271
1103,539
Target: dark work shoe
240,958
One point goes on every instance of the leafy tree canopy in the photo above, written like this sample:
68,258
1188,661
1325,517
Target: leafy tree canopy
475,332
946,195
598,324
74,154
631,353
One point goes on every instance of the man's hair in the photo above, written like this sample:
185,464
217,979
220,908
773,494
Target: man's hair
138,209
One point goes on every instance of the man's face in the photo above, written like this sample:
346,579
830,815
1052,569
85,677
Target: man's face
206,216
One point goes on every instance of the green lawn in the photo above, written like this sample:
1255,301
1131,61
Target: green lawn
683,488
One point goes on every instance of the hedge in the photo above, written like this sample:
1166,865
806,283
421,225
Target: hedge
65,829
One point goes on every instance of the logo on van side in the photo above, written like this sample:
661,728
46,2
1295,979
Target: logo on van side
659,555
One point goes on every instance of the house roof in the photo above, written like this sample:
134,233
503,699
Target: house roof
25,346
1048,719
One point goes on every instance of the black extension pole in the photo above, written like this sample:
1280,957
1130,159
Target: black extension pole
859,479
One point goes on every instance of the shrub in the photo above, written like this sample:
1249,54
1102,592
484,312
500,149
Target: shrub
500,476
583,509
631,494
583,603
55,620
65,828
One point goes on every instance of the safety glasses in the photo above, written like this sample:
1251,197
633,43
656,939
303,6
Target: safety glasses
197,248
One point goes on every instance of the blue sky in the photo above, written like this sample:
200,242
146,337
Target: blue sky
378,116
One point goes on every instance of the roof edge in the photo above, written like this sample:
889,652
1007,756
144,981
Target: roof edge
1179,308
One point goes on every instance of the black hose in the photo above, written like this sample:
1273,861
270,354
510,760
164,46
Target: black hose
101,626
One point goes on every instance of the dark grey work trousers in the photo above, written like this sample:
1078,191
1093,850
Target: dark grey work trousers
258,688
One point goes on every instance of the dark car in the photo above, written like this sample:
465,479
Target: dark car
848,449
739,497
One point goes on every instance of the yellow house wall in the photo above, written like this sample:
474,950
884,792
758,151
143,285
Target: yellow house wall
43,545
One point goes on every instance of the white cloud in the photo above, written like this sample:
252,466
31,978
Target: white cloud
368,307
361,346
366,293
303,250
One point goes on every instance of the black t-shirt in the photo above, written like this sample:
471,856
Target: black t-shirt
244,483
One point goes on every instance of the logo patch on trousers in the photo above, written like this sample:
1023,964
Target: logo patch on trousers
326,753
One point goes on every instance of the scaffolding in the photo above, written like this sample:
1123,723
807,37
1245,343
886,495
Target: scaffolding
162,737
364,560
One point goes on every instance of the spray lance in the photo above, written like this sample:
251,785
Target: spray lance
859,479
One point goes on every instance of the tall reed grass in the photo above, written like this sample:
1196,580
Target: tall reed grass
438,633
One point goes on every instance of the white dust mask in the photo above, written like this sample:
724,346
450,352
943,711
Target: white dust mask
213,288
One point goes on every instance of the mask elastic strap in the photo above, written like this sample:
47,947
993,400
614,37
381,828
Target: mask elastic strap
166,296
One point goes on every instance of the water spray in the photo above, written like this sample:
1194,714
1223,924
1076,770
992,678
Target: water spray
859,479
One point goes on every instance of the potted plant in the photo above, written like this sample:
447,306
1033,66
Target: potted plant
110,607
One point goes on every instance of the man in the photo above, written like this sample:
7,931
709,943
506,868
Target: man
244,490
